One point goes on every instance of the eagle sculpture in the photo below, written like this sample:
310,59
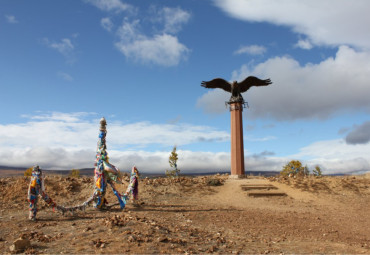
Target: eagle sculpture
235,88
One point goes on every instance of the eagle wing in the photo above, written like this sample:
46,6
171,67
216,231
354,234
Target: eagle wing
217,83
252,81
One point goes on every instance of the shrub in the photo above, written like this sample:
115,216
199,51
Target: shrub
172,160
295,168
74,173
317,171
28,172
214,182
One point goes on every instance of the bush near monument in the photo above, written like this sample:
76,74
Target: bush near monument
295,169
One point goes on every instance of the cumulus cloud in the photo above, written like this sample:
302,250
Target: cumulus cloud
107,24
161,49
360,134
303,92
161,46
304,44
11,19
320,21
64,47
251,50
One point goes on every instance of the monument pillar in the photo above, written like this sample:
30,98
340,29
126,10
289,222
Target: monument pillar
237,145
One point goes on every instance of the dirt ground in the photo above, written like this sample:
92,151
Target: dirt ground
195,215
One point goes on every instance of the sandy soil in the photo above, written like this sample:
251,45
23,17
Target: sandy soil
188,215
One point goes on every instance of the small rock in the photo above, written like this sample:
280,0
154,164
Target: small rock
20,245
162,239
87,229
131,239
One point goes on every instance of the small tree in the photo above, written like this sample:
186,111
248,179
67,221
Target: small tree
294,168
306,171
28,172
74,173
172,160
317,171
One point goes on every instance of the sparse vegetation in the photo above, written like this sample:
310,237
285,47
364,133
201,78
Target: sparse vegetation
317,171
214,182
75,173
198,218
172,160
295,168
28,172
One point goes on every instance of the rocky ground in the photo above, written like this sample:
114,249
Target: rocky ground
211,214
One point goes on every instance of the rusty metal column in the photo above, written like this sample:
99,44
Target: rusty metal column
237,145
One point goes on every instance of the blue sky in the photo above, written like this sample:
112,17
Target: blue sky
65,64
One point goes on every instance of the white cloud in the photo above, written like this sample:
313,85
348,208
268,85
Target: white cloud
303,92
251,50
324,22
110,5
152,162
68,140
11,19
172,18
214,101
161,49
336,156
64,47
107,24
304,44
59,116
65,76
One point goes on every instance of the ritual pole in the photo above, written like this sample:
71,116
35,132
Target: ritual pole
237,145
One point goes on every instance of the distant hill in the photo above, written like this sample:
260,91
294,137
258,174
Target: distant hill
18,171
12,168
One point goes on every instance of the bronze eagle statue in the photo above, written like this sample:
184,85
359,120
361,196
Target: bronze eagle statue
236,88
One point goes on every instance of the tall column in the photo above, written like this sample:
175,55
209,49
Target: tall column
237,146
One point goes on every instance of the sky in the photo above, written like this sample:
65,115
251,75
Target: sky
65,64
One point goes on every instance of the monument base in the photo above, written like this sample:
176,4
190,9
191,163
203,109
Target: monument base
238,176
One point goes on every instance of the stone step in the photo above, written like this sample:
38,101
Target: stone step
247,187
259,187
266,194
